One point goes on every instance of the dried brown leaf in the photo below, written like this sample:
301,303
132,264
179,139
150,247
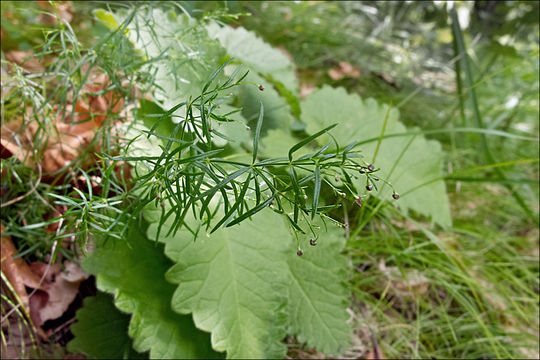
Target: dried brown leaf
25,59
17,271
71,132
64,8
59,290
306,89
344,69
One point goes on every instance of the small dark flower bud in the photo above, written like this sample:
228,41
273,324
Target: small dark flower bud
358,200
312,242
162,204
343,195
299,253
395,196
337,178
369,187
261,87
371,167
362,171
248,128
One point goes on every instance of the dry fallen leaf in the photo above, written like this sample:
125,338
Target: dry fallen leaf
344,69
413,283
59,290
17,271
25,59
306,89
71,132
336,73
64,8
54,289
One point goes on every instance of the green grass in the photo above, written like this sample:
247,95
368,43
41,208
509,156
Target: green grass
471,292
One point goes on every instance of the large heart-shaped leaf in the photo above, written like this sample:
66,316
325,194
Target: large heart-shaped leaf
252,51
134,271
101,331
318,298
235,284
411,163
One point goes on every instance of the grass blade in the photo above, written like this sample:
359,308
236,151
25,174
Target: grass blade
477,116
258,133
383,130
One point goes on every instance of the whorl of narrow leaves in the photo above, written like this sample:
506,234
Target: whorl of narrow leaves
189,173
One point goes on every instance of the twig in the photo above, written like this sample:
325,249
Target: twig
19,198
346,220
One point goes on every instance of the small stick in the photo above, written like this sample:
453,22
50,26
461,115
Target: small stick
19,198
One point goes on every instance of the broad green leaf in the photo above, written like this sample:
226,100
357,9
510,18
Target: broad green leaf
153,116
184,60
187,57
407,165
134,271
266,63
101,331
277,113
232,132
277,143
183,56
234,282
237,130
247,47
318,298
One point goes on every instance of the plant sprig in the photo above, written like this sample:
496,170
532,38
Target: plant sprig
189,172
